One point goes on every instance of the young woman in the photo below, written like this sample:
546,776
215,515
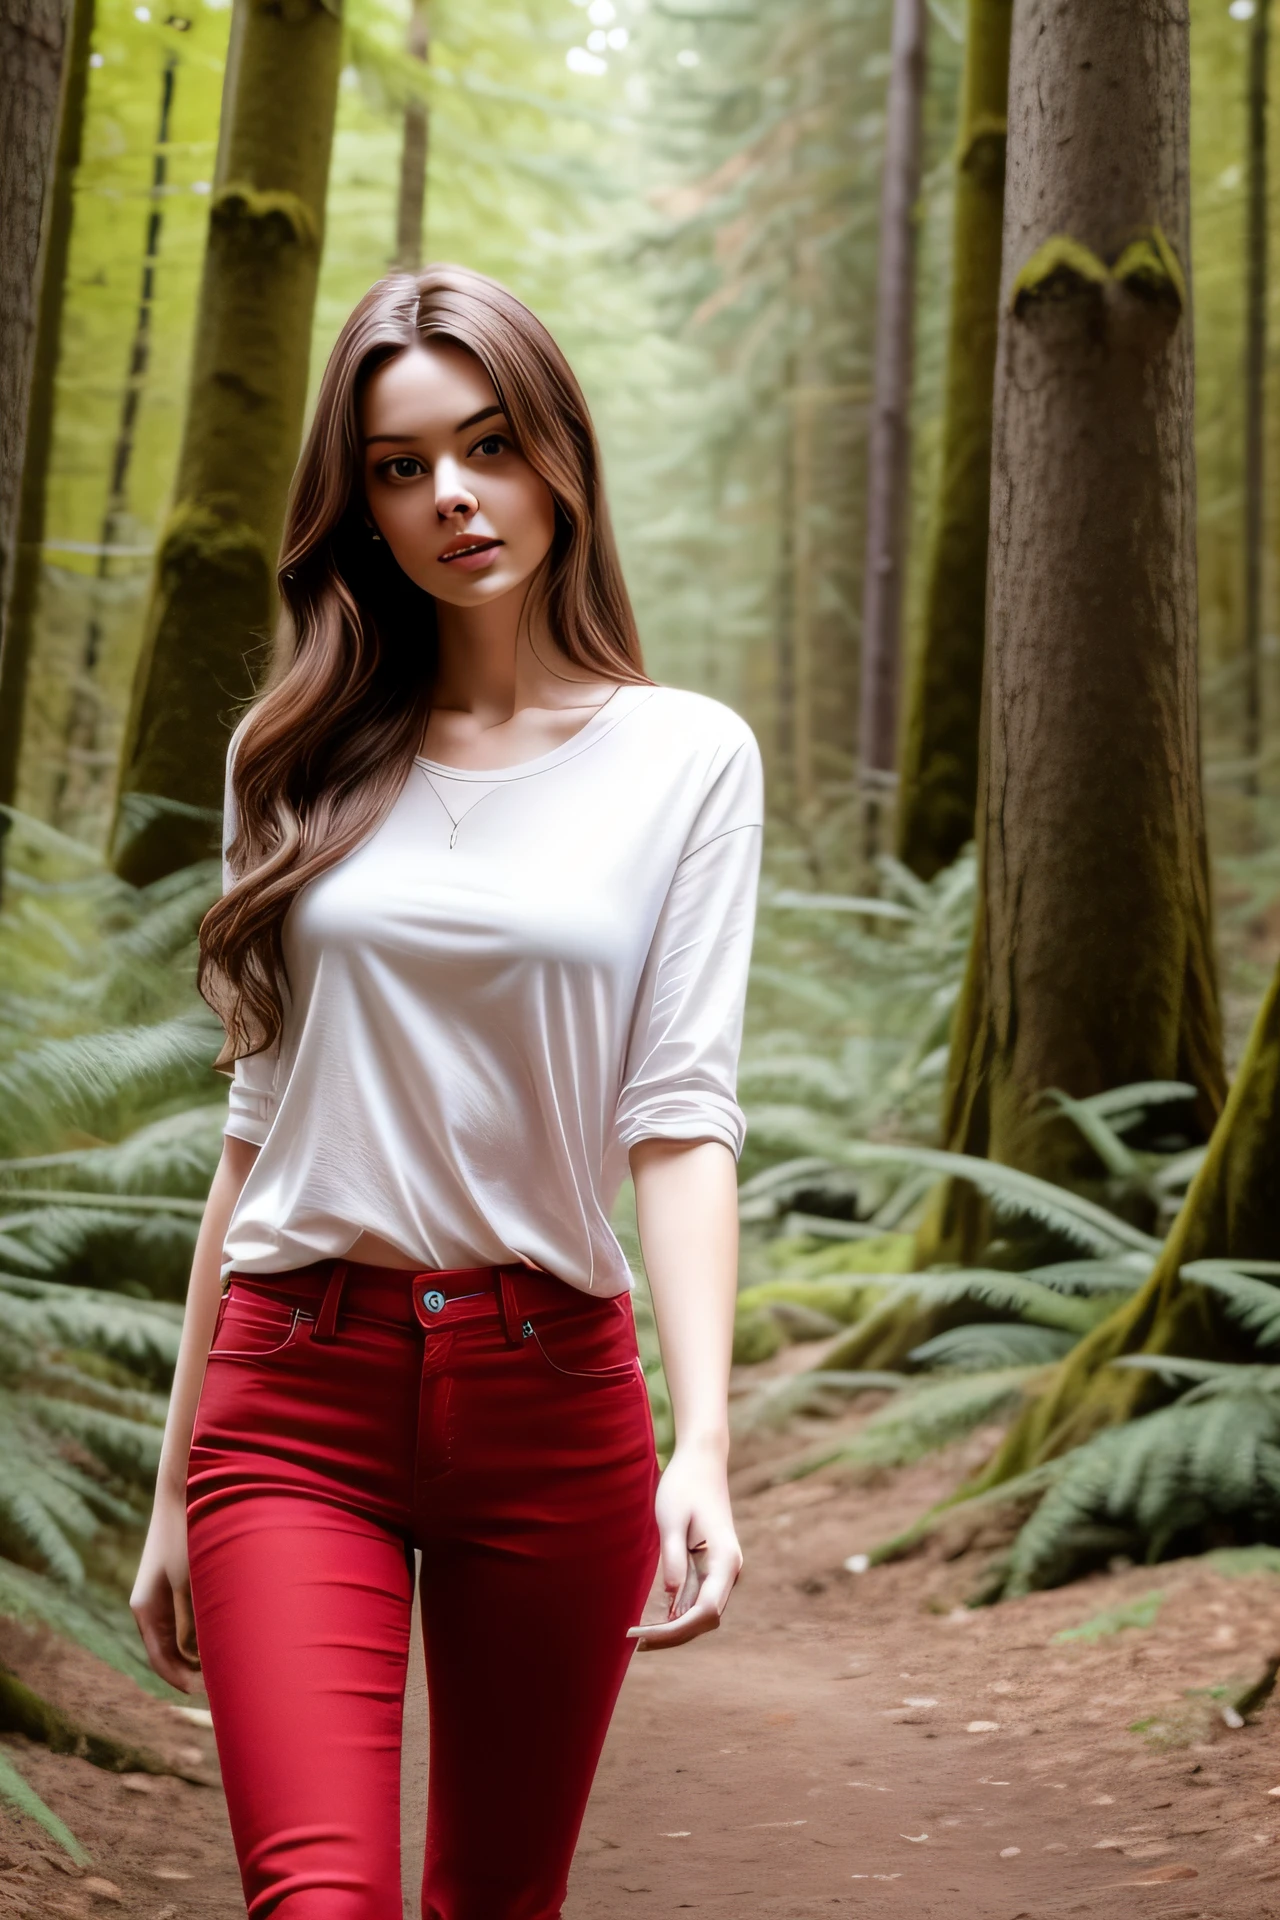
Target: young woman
483,943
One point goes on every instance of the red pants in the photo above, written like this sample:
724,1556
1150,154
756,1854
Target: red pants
498,1420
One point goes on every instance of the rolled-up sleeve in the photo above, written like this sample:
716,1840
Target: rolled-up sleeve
680,1080
251,1103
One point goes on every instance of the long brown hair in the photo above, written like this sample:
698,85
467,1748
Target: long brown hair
323,753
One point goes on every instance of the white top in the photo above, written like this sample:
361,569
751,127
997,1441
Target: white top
517,975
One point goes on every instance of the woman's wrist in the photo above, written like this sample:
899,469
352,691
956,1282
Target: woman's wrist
710,1443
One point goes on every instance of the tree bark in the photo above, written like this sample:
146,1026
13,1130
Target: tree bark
32,41
81,780
888,471
938,777
214,591
1255,387
1231,1212
1091,965
28,546
412,198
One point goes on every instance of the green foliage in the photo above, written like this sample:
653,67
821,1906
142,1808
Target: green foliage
923,1416
1210,1460
1141,1612
110,1128
850,1008
16,1793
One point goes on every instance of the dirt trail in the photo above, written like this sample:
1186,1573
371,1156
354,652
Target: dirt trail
815,1754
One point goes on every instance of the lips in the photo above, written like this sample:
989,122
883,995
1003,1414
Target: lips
463,549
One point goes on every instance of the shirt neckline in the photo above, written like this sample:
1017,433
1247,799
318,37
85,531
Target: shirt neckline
623,700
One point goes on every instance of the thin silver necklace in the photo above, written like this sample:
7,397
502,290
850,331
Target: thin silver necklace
455,821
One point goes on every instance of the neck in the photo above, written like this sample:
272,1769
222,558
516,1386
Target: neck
496,658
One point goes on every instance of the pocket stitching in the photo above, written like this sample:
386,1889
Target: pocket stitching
261,1353
604,1375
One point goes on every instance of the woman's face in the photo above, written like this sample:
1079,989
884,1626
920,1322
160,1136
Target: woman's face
465,515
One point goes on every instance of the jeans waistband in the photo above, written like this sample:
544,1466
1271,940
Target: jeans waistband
426,1297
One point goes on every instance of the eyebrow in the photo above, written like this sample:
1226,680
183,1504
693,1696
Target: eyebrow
473,420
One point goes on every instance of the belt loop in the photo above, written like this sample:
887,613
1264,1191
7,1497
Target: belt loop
509,1306
327,1319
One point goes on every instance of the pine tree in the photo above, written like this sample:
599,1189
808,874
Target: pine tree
1092,964
213,593
888,461
32,44
938,775
18,614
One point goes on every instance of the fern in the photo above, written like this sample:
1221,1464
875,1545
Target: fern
1213,1455
23,1798
984,1348
1014,1195
923,1417
1245,1292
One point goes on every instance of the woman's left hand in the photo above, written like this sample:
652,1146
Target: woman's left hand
701,1558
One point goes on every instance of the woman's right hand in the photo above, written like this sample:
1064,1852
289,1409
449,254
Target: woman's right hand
161,1597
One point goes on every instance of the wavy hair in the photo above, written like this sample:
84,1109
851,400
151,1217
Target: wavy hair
320,757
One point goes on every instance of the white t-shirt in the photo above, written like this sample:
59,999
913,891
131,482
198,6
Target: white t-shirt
517,975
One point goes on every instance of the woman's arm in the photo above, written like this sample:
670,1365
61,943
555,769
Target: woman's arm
687,1211
161,1599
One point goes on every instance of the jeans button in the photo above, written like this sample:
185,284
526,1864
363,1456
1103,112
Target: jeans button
433,1300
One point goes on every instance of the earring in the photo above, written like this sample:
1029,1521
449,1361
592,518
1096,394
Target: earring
373,531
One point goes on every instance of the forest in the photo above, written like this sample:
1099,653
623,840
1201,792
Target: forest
932,346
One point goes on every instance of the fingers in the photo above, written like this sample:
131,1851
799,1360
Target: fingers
701,1615
676,1567
185,1625
158,1623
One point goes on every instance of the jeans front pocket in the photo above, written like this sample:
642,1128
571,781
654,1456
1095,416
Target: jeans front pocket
596,1347
251,1328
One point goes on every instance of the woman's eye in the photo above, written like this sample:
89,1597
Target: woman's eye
404,467
491,444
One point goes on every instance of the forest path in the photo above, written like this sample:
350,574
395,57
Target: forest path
815,1754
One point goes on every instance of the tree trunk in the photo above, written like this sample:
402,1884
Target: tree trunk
32,39
81,779
938,779
888,471
1091,965
1255,388
412,198
1231,1212
213,596
24,579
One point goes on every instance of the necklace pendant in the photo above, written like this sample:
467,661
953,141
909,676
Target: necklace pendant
453,836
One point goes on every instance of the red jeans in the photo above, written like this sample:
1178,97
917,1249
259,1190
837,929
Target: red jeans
498,1420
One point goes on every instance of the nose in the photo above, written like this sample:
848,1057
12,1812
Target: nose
452,495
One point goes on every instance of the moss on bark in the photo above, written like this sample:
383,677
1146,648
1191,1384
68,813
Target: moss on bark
1091,965
1231,1212
938,779
212,601
24,575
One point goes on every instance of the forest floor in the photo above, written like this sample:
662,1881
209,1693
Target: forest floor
860,1740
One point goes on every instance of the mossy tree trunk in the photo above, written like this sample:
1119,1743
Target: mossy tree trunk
1255,384
1091,965
1231,1212
938,773
213,594
28,544
412,198
888,453
32,44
